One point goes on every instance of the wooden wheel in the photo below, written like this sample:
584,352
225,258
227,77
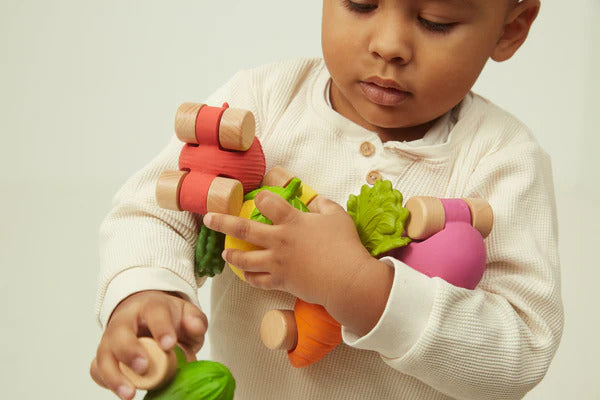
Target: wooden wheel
427,217
278,330
161,367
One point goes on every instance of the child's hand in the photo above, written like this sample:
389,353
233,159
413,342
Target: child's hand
166,317
310,255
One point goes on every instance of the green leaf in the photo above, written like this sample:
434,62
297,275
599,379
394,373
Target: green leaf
379,217
291,193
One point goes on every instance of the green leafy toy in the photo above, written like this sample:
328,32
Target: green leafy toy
291,193
379,217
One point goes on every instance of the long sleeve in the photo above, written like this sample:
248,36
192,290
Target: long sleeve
497,341
144,247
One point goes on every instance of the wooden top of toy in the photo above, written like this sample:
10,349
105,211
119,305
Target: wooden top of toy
278,330
161,367
427,217
277,176
482,216
168,188
185,122
236,131
225,196
236,127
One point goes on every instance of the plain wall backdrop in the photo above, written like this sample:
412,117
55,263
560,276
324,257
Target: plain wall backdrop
88,92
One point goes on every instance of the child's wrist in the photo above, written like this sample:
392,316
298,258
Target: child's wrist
359,302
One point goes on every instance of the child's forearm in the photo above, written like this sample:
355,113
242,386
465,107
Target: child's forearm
359,303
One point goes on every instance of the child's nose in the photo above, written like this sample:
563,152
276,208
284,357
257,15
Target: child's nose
392,41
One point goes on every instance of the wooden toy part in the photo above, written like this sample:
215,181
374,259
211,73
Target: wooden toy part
168,188
278,330
279,176
161,367
224,196
427,217
185,122
236,131
236,127
482,216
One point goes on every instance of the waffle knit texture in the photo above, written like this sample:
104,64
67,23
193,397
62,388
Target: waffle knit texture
434,340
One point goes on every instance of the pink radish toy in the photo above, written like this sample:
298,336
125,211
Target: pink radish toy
449,242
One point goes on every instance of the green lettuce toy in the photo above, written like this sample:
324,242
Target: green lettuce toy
379,217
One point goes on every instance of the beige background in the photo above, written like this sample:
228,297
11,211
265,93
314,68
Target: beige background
88,90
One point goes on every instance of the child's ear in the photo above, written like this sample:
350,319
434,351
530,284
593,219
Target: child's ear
516,28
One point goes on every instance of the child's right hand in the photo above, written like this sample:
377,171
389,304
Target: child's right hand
165,317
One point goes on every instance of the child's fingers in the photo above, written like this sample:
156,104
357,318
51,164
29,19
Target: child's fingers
239,228
108,374
95,373
323,205
127,348
262,280
159,319
250,261
193,328
194,322
275,207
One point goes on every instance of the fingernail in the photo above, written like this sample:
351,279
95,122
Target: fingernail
125,392
167,341
139,365
224,254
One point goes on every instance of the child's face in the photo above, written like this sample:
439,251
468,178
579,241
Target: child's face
431,50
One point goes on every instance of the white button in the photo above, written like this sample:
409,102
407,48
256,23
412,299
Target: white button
367,149
373,177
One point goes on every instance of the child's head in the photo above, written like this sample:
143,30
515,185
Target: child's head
432,51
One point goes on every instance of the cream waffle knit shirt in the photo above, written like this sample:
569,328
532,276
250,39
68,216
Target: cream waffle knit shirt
434,340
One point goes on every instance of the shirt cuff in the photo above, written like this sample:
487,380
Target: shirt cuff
405,316
137,279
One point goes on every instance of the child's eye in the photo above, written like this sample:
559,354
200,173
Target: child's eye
359,7
436,26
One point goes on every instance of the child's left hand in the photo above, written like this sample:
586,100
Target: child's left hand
312,255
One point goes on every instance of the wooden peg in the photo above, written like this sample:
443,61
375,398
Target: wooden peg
168,188
277,176
225,196
161,367
278,330
427,217
185,122
236,129
482,216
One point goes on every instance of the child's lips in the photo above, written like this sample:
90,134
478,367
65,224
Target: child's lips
384,96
